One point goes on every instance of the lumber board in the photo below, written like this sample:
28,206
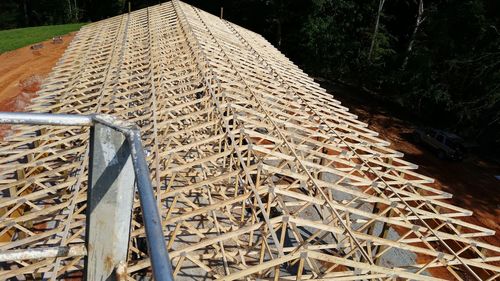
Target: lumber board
258,172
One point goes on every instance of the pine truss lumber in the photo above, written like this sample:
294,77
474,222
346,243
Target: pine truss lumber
258,172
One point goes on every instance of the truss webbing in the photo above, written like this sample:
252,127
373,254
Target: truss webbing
258,172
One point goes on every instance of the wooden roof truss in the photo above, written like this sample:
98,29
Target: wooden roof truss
259,173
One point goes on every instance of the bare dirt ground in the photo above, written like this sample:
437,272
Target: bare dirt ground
22,72
471,181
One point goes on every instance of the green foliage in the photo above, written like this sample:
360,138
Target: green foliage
9,18
450,77
455,69
16,38
329,31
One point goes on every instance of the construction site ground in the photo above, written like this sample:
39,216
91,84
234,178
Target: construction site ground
471,181
22,72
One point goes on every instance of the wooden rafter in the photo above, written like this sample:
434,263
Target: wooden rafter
258,172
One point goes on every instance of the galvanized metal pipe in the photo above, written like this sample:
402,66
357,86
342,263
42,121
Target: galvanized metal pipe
160,261
45,119
42,253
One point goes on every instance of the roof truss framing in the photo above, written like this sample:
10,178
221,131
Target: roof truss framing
258,172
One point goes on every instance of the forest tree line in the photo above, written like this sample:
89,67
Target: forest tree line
439,59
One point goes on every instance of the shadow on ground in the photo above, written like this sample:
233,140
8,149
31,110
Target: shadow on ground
471,181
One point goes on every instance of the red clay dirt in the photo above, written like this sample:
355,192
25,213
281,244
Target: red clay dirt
471,181
22,72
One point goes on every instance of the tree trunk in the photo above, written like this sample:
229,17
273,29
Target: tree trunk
375,30
278,32
279,11
76,11
26,17
418,22
70,13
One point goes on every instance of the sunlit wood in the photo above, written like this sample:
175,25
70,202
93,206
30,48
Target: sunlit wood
259,173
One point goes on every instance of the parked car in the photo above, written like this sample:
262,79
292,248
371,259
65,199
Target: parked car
446,145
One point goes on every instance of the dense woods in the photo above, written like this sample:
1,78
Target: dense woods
439,59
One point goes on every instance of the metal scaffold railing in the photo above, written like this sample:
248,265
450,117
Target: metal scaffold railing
256,172
117,165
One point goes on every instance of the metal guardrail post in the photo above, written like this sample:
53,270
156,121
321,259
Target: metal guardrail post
109,202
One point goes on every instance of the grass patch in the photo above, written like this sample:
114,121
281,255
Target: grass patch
12,39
